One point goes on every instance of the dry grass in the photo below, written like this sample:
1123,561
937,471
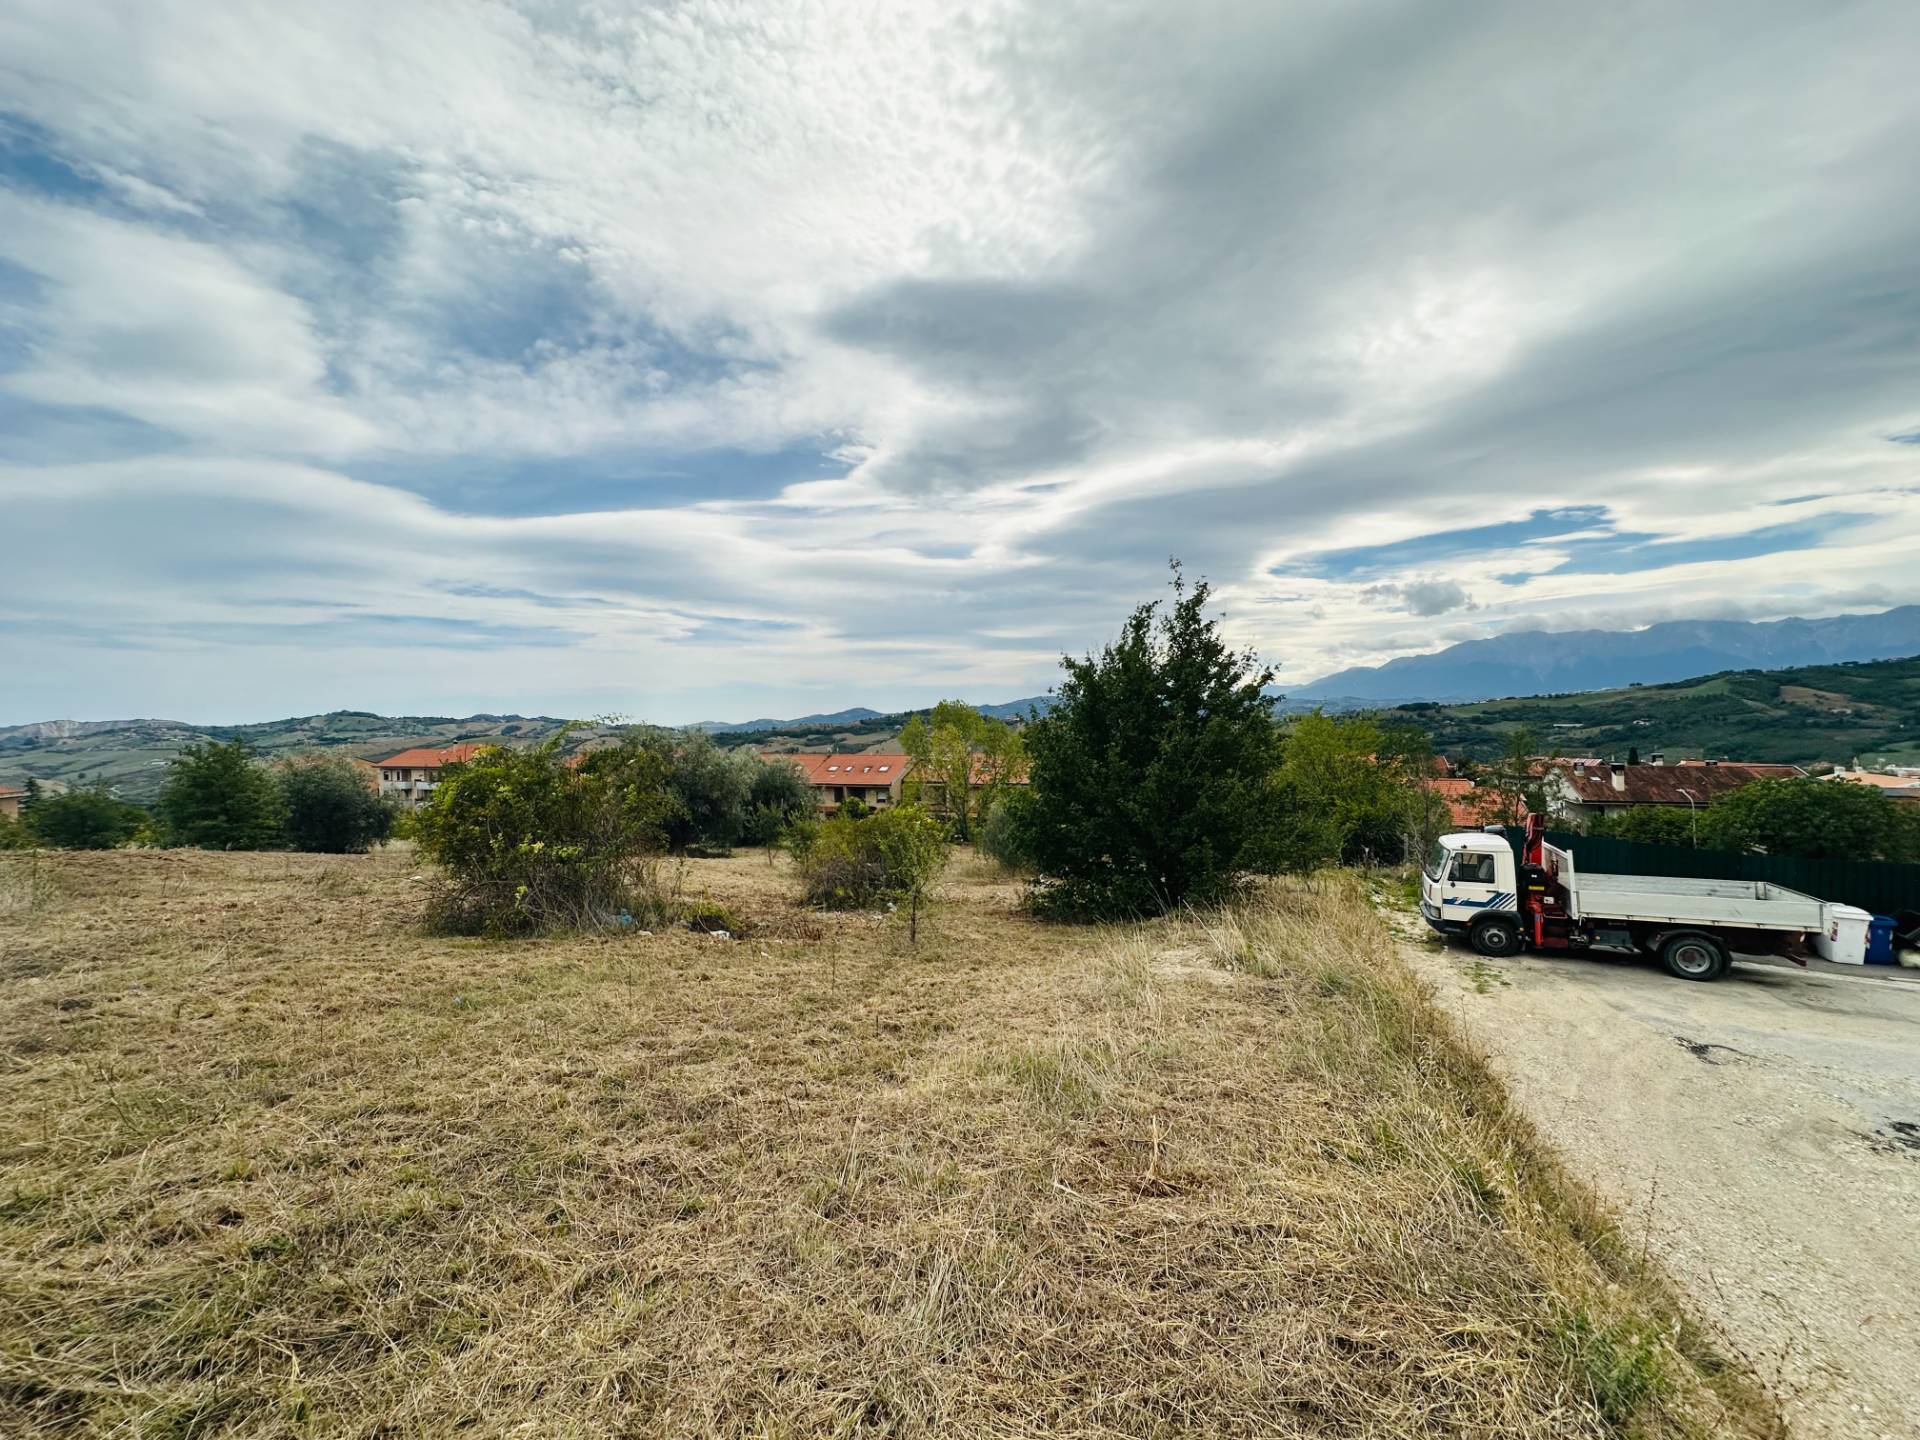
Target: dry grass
272,1163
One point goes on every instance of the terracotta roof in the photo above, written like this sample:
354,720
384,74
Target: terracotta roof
1591,781
1472,807
8,792
847,769
427,758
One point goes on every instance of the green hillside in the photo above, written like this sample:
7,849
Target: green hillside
132,755
1868,709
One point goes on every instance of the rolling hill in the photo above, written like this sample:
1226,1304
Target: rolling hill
131,755
1536,662
1800,715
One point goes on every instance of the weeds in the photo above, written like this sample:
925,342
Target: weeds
1208,1175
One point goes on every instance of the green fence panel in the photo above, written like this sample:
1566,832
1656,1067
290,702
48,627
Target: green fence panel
1882,887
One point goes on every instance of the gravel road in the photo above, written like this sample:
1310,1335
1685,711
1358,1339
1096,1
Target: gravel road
1763,1133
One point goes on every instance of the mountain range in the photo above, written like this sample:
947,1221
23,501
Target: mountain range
1542,662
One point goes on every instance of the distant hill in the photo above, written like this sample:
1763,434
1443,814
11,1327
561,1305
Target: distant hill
1800,715
859,715
1536,662
132,755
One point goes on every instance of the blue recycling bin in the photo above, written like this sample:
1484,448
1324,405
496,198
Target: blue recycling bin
1880,940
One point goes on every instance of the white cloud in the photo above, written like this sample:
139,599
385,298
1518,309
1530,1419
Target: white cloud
1062,291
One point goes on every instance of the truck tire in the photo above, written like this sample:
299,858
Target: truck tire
1694,955
1496,935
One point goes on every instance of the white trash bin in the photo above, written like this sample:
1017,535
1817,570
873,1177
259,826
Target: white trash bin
1844,940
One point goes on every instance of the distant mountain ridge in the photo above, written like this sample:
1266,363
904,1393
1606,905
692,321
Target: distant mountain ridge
860,714
1541,662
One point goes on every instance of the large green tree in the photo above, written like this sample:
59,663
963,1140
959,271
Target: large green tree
963,763
1350,792
217,797
1813,818
1152,774
330,808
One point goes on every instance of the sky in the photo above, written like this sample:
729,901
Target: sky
717,360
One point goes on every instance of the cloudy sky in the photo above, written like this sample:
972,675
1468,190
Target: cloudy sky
722,359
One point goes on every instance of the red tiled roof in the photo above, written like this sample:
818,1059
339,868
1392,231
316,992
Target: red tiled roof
9,792
1471,806
427,758
1591,781
1016,774
847,769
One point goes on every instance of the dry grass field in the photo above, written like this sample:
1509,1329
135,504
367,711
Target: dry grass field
272,1162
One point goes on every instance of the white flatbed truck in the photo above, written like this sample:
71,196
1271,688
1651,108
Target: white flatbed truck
1474,885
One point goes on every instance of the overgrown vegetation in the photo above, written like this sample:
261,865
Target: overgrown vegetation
1152,776
529,844
890,856
1348,791
274,1164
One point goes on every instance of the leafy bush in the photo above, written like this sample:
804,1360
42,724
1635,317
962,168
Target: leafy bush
1006,836
1348,792
217,798
892,855
1151,774
530,844
88,819
1649,824
778,787
709,788
330,808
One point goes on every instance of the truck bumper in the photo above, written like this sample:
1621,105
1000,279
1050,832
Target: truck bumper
1434,918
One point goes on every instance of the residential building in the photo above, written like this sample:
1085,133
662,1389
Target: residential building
874,780
1581,788
1901,782
11,798
410,776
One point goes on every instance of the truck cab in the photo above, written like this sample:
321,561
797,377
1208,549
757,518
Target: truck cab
1467,887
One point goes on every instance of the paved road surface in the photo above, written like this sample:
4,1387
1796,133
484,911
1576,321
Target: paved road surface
1769,1126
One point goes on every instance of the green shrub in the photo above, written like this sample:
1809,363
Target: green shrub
89,819
529,844
891,856
218,798
1006,837
330,808
710,917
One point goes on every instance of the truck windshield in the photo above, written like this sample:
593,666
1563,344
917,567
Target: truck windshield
1436,860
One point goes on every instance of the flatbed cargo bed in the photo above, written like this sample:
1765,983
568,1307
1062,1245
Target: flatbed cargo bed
1678,900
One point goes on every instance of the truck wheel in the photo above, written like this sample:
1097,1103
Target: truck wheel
1694,956
1495,935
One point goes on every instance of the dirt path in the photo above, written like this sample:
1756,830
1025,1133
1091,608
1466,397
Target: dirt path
1763,1133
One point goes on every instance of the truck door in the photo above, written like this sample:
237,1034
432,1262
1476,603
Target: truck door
1472,887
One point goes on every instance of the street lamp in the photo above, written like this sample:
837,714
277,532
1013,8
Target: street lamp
1693,813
